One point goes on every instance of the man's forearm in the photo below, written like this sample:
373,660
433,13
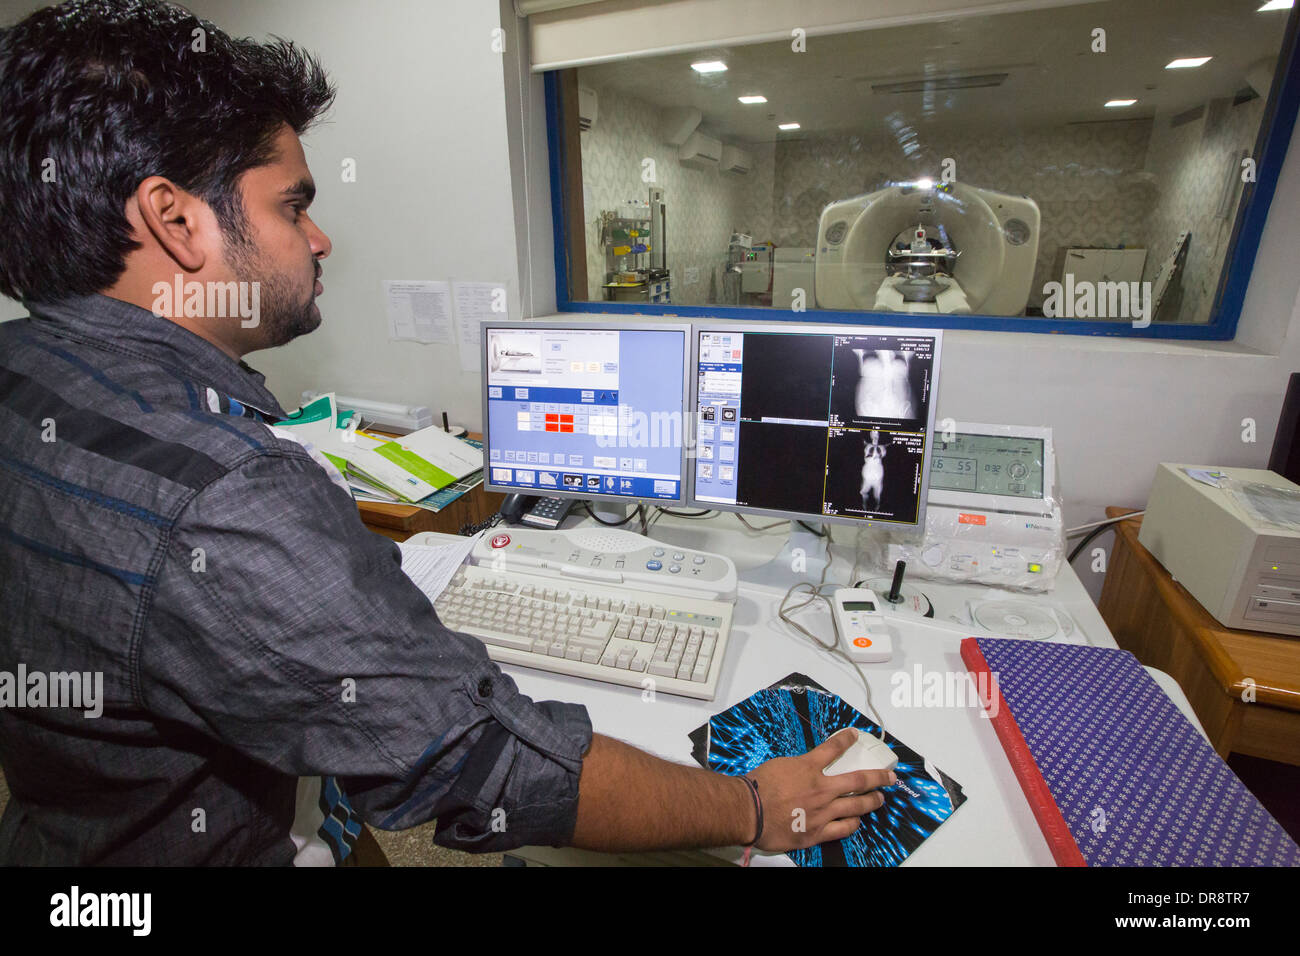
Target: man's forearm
629,800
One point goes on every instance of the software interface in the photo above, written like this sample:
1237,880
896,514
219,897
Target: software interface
818,423
988,465
590,411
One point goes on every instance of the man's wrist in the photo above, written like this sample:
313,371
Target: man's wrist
752,829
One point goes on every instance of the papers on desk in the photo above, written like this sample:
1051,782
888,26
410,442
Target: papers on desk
432,566
795,715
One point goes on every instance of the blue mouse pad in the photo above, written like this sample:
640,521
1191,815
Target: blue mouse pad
792,717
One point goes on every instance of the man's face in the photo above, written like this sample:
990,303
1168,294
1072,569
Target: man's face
283,247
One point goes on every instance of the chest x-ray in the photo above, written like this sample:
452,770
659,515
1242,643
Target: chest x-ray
884,388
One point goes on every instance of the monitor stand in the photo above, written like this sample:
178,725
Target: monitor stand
607,510
802,558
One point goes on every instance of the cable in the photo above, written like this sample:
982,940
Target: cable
1106,521
613,524
684,514
810,528
814,592
1097,529
766,527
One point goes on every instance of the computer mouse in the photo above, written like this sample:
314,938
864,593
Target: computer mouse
867,753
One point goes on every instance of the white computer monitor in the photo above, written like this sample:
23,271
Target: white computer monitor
579,409
815,422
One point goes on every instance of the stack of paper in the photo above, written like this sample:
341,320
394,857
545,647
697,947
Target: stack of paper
408,469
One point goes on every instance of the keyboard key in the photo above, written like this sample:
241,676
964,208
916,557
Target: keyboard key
663,669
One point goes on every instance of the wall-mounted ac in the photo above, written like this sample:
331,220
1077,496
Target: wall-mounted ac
736,160
701,151
586,108
676,125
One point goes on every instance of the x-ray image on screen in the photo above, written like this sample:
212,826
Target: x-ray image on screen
829,423
873,473
880,381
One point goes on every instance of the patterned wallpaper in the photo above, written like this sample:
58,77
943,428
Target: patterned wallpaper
704,206
1136,183
1190,164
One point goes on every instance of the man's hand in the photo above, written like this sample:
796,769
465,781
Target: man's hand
803,807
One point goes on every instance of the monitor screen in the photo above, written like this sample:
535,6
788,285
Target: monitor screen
989,465
585,410
826,423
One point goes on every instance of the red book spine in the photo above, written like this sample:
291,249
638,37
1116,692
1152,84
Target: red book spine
1046,812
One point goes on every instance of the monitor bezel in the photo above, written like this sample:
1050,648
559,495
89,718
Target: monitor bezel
817,328
595,326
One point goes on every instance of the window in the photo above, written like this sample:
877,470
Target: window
1095,168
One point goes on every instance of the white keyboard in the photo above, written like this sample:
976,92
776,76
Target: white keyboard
587,629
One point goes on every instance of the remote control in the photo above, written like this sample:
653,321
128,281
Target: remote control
863,631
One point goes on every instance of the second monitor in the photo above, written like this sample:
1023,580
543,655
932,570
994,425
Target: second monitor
827,424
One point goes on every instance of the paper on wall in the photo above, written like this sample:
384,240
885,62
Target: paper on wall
475,302
419,311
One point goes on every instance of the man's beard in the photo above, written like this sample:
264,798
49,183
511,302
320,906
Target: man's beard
282,318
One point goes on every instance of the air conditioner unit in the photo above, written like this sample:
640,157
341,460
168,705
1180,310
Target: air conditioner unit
701,151
736,160
676,125
586,108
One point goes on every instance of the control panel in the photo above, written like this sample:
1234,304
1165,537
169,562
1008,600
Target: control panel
610,556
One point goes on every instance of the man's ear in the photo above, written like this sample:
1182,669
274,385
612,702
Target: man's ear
176,219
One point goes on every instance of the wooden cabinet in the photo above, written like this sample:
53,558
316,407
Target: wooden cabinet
1243,685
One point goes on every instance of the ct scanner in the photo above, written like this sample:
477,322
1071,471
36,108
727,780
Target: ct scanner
930,248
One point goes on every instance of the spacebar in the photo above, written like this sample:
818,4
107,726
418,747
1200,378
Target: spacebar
507,640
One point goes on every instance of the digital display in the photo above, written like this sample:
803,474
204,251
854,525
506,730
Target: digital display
857,605
585,412
820,423
988,465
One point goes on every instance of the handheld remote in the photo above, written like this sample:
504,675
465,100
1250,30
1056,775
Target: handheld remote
863,631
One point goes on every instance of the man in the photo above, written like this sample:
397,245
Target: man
255,674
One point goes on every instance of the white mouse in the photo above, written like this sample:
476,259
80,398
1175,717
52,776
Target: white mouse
867,753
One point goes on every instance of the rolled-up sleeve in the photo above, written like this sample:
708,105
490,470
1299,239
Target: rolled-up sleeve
286,630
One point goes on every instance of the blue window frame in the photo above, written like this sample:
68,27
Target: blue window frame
1271,146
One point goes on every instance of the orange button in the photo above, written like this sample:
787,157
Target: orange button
862,642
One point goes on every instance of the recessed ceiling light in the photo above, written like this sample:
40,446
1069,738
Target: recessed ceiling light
1276,5
1120,102
788,126
1188,62
709,66
747,100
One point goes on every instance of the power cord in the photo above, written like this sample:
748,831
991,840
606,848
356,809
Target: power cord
815,591
1097,528
639,512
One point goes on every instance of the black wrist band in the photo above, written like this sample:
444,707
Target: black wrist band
758,809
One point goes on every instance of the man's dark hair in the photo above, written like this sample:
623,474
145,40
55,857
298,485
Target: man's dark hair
98,95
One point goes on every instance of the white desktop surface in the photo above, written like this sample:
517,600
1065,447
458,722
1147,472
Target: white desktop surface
995,825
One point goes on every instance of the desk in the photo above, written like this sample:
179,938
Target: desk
1155,617
994,827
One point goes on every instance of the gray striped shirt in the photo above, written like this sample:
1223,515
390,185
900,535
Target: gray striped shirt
248,628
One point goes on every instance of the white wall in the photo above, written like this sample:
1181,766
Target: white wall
422,110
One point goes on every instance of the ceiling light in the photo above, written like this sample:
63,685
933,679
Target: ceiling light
709,66
1120,102
749,100
1188,62
1276,5
788,126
